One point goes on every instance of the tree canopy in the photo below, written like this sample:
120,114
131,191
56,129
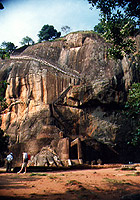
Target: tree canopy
66,29
99,28
117,31
4,54
131,8
48,32
120,20
27,41
1,6
8,46
6,49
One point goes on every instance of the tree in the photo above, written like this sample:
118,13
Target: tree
1,6
48,32
4,54
65,29
117,31
8,46
118,26
6,49
27,41
131,8
99,28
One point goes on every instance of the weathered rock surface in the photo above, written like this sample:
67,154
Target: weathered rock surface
46,157
45,95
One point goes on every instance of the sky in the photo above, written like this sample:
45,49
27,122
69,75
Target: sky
21,18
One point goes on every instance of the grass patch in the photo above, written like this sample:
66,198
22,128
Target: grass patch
83,32
134,174
61,174
72,182
52,177
117,182
60,39
16,177
128,168
38,174
41,174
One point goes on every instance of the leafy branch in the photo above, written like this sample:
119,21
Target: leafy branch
132,110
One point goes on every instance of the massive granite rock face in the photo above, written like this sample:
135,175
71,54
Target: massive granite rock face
67,85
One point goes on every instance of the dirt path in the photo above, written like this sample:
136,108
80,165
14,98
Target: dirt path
100,184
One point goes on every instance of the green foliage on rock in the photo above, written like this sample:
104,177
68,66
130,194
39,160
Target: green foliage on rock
117,31
133,102
117,28
131,8
6,49
99,28
3,104
133,112
4,54
48,33
8,46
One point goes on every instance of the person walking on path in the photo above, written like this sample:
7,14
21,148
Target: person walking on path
9,160
24,163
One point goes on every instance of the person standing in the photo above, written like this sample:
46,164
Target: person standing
9,160
24,163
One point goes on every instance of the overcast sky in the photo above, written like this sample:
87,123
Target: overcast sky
21,18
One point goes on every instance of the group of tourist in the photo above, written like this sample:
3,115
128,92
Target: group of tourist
9,160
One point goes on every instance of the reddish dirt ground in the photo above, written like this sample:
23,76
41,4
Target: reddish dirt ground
100,184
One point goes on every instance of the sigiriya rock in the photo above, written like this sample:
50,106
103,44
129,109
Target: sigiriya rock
69,90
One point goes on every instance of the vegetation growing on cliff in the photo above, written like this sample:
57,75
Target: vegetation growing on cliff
117,31
3,104
4,54
6,49
119,21
133,112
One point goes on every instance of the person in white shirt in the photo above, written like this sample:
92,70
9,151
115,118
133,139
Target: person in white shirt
9,160
24,163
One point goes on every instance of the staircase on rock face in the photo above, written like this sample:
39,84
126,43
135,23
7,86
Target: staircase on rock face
60,121
66,71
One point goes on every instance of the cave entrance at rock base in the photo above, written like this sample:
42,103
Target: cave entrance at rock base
75,152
